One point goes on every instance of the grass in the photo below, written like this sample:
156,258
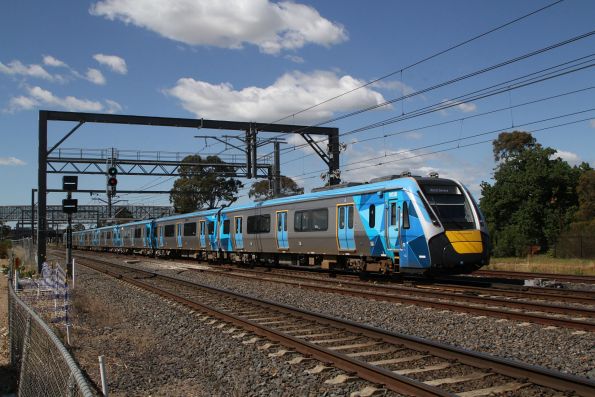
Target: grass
544,264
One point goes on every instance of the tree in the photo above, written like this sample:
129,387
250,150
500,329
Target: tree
203,183
262,190
533,197
510,144
586,195
4,230
123,213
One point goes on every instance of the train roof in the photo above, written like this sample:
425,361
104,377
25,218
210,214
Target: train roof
409,182
394,182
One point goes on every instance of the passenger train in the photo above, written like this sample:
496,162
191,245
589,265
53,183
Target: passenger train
408,224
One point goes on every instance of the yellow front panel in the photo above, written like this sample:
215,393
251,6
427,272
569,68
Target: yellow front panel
465,241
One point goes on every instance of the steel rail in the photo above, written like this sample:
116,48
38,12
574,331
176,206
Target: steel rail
536,375
588,300
366,371
535,318
483,310
528,275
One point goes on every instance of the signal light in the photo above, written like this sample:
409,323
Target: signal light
112,181
112,171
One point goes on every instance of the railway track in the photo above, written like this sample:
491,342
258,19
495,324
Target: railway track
528,275
499,303
401,363
540,313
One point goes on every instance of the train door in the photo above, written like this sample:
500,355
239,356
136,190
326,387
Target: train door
203,234
393,227
225,233
345,220
282,242
212,229
179,234
237,233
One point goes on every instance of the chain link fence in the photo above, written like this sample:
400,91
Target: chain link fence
575,246
45,366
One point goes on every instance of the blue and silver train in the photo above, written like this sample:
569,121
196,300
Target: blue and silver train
425,225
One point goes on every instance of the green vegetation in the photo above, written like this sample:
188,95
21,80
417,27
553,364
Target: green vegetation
5,246
202,185
261,190
535,198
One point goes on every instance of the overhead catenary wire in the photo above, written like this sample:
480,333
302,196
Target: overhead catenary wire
461,119
459,139
451,81
507,86
425,59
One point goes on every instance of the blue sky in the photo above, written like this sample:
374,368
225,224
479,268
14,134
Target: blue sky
262,61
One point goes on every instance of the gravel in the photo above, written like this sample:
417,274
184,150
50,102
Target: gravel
564,350
154,347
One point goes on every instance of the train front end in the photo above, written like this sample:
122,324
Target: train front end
457,234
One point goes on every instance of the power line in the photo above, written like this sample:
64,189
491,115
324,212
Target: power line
482,93
460,139
461,119
455,80
437,54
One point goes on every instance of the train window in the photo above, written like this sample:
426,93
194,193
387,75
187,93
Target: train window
108,235
319,220
202,228
190,229
406,224
169,230
226,226
259,224
341,217
137,232
211,227
238,225
372,215
279,222
310,221
393,214
350,219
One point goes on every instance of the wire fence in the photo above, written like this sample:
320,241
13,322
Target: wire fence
575,246
45,366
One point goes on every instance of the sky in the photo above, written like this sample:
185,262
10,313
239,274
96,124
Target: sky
344,64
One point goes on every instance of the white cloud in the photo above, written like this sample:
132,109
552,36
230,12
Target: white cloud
291,93
398,86
113,106
114,62
95,76
465,107
11,161
414,135
38,97
18,68
51,61
272,27
294,58
569,157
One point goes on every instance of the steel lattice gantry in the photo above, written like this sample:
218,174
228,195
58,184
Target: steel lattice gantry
85,214
71,165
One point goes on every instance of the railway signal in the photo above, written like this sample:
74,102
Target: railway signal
112,180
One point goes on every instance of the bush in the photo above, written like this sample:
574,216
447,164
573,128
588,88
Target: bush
5,245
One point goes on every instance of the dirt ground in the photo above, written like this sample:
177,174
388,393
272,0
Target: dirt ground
7,377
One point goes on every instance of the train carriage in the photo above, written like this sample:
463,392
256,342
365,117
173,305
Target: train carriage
407,224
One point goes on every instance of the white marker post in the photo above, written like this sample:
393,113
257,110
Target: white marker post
73,273
103,376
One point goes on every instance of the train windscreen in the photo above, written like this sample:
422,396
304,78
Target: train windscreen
450,205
